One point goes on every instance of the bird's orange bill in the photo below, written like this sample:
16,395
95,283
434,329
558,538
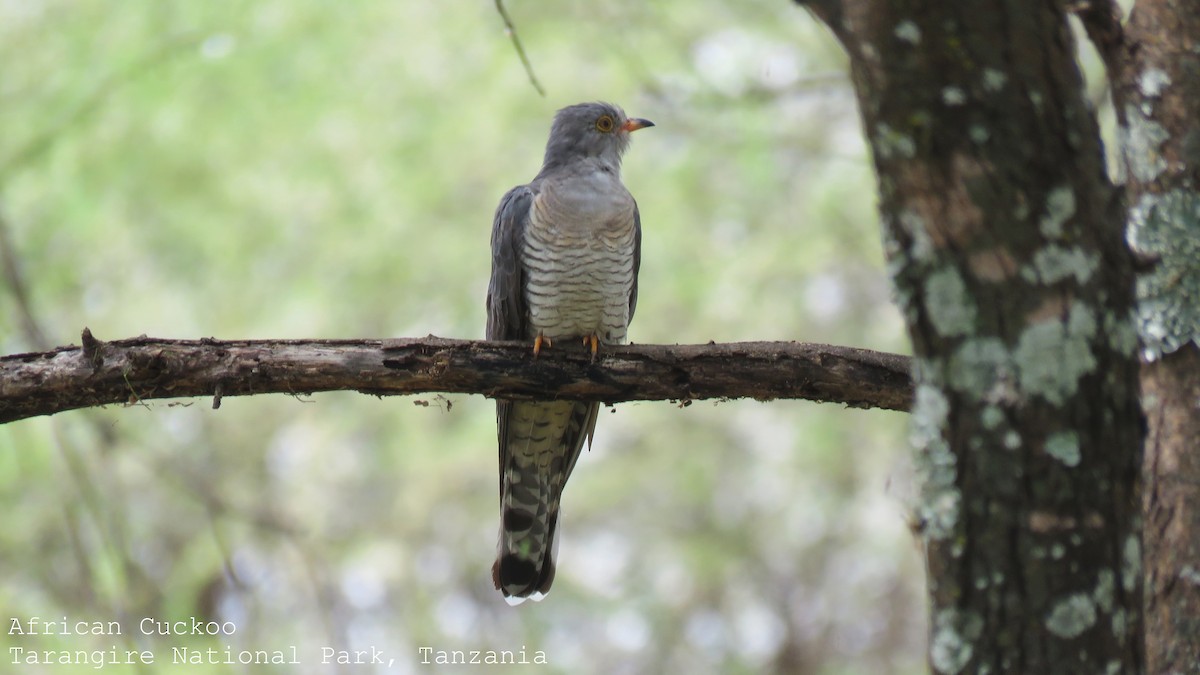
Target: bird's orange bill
635,123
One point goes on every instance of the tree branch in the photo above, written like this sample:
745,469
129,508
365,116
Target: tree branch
139,369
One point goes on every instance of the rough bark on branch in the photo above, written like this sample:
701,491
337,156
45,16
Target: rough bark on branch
142,368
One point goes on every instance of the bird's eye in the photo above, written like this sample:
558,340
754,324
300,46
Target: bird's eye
604,124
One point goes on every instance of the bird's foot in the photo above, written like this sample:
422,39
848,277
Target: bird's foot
592,342
538,342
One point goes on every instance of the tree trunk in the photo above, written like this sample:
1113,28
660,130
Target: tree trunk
1171,387
1157,97
1005,242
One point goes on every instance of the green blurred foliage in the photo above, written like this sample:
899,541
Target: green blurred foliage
312,169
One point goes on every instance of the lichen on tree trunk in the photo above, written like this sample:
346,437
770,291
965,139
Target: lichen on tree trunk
1004,240
1156,72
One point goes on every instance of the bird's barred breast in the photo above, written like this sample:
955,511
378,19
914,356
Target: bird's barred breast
579,275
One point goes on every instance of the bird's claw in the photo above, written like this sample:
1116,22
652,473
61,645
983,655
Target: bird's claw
592,342
538,342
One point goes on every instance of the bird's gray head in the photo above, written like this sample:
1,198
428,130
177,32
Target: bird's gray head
599,130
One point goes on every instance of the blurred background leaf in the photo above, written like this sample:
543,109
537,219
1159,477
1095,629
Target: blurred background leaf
310,169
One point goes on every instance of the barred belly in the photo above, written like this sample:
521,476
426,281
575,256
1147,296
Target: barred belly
578,279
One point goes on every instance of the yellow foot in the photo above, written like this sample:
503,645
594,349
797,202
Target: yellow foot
592,342
538,342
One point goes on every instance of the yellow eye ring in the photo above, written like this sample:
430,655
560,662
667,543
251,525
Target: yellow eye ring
605,124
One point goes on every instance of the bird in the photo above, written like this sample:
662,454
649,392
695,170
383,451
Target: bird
566,250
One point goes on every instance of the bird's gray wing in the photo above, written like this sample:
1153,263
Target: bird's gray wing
506,310
637,258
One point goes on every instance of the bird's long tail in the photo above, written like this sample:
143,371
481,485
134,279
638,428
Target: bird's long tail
540,443
525,557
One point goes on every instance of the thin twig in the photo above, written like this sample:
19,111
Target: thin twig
512,33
